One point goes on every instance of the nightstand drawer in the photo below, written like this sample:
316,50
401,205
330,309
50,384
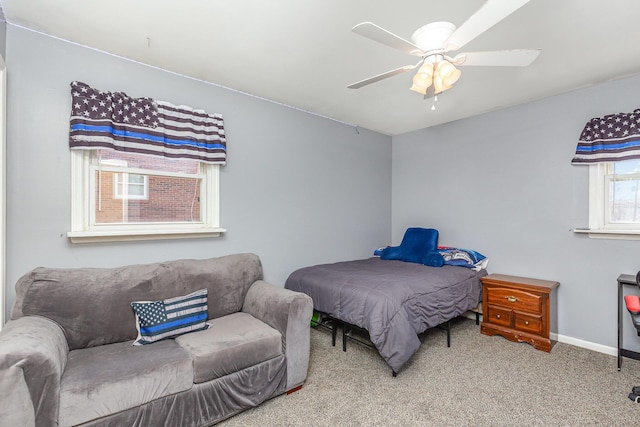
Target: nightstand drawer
515,299
498,315
531,324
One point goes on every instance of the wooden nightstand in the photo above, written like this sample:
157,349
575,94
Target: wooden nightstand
518,308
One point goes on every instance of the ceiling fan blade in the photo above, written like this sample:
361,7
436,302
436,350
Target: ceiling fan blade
379,34
498,58
492,12
383,76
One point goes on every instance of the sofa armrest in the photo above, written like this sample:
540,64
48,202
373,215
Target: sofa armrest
33,355
290,313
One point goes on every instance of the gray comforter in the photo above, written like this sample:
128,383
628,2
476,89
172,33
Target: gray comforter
393,300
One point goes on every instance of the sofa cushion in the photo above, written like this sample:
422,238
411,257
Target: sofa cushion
233,342
157,320
100,381
93,304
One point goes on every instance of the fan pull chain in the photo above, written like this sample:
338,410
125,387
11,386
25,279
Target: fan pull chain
435,99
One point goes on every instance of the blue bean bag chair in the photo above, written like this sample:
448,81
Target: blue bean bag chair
419,245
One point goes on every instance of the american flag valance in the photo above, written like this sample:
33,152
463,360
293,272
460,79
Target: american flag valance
144,126
610,138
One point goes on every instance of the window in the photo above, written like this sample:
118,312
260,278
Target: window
131,186
142,168
124,196
614,199
621,194
127,185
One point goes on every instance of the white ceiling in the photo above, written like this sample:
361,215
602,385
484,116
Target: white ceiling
303,53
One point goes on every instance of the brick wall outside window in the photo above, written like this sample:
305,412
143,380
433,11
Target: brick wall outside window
170,199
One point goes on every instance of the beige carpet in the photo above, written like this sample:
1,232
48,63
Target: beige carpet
478,381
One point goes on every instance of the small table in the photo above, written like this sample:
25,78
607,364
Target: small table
630,280
518,308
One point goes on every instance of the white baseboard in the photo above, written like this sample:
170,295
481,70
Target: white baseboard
612,351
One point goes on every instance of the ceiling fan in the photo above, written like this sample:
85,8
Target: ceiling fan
437,72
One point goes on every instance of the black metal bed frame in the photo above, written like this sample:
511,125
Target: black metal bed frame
332,324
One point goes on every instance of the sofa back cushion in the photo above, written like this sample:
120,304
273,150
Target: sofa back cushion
93,305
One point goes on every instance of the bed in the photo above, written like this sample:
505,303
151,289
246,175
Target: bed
393,300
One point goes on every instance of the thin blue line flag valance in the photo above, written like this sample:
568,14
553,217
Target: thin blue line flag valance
611,138
114,120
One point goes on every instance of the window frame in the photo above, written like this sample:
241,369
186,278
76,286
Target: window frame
83,229
600,175
3,187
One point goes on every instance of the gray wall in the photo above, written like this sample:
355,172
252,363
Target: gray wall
3,34
502,184
298,189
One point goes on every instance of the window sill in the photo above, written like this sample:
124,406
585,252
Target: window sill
601,233
135,235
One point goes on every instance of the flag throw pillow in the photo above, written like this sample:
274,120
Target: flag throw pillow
157,320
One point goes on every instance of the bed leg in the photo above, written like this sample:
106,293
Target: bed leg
394,373
334,331
344,337
449,333
477,318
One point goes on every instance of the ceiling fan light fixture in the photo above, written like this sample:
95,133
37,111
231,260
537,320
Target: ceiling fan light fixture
445,76
448,72
423,79
422,89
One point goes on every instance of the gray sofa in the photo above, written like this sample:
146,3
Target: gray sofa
66,355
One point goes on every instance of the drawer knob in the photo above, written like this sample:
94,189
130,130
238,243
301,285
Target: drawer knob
497,316
526,322
511,298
